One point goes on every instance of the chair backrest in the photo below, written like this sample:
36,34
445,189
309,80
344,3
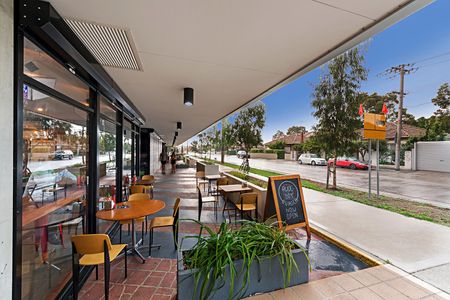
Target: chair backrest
137,189
200,174
222,181
176,210
90,243
249,198
139,196
148,177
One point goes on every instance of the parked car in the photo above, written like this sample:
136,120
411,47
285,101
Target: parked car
63,154
242,154
349,162
312,159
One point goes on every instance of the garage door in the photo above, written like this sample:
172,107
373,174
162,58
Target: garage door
433,156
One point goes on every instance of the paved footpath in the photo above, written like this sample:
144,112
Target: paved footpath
417,247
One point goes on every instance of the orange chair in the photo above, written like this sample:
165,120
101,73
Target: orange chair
93,250
134,197
248,202
165,221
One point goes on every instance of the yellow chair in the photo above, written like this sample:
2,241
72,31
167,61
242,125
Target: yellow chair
148,177
138,189
93,250
134,197
248,202
165,221
150,187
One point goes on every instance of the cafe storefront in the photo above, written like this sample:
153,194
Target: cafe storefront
78,142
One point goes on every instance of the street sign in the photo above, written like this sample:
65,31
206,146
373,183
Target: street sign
374,126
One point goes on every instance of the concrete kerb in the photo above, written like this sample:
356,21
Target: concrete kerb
362,255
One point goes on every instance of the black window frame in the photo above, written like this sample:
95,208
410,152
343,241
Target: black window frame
40,13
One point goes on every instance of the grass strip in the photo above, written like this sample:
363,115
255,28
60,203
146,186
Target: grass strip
417,210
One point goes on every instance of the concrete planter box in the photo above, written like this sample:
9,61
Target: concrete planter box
262,192
208,169
265,276
264,155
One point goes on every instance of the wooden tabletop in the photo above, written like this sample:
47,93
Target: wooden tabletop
133,210
234,188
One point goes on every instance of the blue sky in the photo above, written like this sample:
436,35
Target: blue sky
422,35
416,39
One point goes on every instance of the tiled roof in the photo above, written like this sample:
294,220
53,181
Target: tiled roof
292,139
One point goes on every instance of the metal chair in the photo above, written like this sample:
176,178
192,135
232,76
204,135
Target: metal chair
93,250
134,197
208,199
248,202
200,179
166,221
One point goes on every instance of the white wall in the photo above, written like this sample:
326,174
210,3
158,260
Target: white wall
155,150
6,146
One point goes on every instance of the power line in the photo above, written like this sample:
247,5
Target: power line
432,57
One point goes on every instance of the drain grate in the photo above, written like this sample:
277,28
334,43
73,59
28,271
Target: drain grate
111,46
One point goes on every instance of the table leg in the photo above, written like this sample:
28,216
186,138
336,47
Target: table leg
134,244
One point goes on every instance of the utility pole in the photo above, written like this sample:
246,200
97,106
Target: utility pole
401,70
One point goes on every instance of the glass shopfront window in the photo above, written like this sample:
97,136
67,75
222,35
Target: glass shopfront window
127,153
55,148
42,67
107,176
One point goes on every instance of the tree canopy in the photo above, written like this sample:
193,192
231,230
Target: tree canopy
278,134
295,130
248,125
336,102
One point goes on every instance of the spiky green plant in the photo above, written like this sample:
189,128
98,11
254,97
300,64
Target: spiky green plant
215,251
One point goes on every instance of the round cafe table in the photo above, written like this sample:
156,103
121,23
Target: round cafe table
129,211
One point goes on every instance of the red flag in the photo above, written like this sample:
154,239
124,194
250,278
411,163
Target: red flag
361,109
384,110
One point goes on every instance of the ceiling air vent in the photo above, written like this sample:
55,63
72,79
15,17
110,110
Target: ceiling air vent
112,47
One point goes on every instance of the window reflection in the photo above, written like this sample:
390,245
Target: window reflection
43,68
54,185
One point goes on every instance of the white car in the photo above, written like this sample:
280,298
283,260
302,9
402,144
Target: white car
242,154
312,159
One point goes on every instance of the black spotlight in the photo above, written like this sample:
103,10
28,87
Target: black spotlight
178,125
188,96
176,133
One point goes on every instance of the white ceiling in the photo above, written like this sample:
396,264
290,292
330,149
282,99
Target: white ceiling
229,51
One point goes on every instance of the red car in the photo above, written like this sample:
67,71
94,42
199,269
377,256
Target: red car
349,162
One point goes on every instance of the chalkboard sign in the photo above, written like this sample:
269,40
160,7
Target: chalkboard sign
285,200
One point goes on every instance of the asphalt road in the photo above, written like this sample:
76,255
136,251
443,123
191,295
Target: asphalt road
421,186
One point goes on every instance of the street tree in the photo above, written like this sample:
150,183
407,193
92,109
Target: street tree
279,134
295,130
194,146
226,138
442,101
336,103
247,127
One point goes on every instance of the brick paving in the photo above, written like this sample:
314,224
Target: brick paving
156,279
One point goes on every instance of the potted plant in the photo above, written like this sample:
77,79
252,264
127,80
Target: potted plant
236,263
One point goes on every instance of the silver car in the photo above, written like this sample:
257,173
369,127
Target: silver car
312,159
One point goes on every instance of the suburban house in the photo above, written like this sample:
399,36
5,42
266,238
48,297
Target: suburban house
290,141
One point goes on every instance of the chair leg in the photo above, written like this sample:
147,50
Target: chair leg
107,269
128,228
126,267
175,236
75,268
96,272
150,242
120,234
142,232
199,211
